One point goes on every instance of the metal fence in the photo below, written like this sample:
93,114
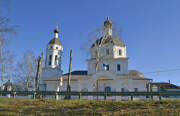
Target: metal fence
131,95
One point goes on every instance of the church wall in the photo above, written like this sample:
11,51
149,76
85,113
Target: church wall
48,73
127,84
91,67
116,85
53,49
84,85
111,59
102,51
51,86
116,52
123,66
140,84
112,66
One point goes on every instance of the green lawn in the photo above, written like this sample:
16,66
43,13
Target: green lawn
88,107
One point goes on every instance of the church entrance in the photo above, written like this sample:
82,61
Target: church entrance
103,81
102,85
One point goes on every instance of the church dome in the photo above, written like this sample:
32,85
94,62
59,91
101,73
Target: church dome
109,40
107,22
56,30
135,73
55,41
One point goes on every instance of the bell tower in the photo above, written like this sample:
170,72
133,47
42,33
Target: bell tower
54,52
52,67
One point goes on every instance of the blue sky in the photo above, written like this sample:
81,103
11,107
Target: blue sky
150,29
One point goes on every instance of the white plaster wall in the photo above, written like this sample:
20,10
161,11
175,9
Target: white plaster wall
116,52
48,73
102,51
123,66
107,30
113,51
53,51
116,85
112,66
91,66
51,86
112,59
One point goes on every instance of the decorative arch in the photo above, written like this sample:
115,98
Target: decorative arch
107,89
97,75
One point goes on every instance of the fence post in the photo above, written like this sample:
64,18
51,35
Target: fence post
151,97
9,88
14,94
131,97
34,95
57,96
105,96
80,96
159,97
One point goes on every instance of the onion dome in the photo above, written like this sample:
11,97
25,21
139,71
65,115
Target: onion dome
56,30
55,41
109,40
107,22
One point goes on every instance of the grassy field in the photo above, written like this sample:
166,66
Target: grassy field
46,107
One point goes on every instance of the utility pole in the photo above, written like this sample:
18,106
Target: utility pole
69,77
38,73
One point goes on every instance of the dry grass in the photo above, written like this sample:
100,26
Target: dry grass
46,107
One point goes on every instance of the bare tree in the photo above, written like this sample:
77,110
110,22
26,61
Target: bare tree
96,38
26,70
6,61
6,58
92,37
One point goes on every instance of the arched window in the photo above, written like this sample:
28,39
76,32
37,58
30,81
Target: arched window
118,67
55,61
107,89
120,52
122,90
50,58
135,89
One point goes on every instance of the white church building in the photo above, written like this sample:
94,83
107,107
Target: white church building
107,67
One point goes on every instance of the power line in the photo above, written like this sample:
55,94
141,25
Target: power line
160,71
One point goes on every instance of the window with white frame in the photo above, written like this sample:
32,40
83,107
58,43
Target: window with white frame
122,90
120,52
135,89
107,89
55,61
118,67
50,58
